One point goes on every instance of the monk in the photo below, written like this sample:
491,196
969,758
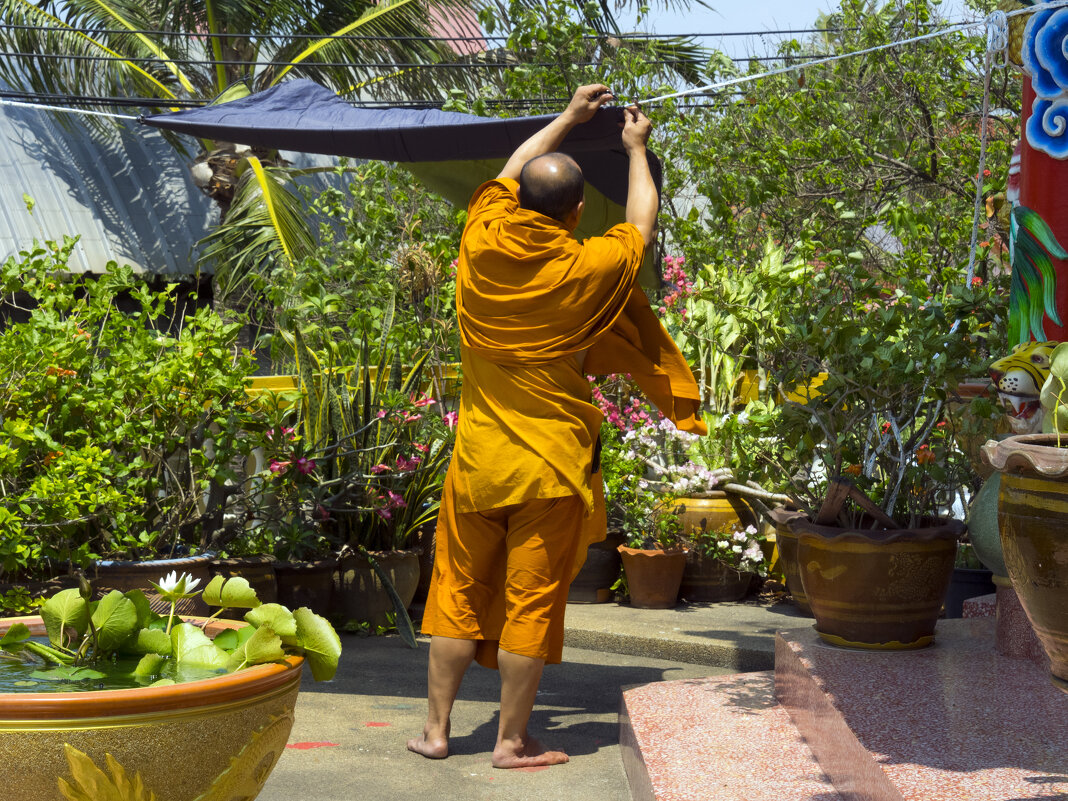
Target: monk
523,496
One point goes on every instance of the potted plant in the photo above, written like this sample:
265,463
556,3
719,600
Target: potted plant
730,560
378,449
874,462
639,508
1032,517
166,680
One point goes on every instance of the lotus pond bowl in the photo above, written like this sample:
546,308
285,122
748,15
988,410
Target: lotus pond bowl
216,739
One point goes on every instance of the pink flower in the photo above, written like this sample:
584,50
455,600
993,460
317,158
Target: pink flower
381,468
305,466
423,401
421,447
451,418
279,467
381,413
396,501
410,417
977,281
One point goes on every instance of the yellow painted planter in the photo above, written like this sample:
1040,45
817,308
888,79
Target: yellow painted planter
212,740
284,391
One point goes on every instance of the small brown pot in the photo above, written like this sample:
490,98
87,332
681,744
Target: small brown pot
1033,518
653,576
360,596
309,584
125,576
593,584
876,589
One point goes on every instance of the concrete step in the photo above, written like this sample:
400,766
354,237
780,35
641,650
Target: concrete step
716,739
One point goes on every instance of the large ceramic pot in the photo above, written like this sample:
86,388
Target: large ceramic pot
1033,516
786,543
212,740
708,580
653,576
876,589
359,594
593,583
705,579
309,584
133,575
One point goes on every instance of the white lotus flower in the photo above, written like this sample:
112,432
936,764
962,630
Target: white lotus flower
173,587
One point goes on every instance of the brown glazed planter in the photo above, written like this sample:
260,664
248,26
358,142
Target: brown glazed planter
360,596
876,589
705,579
218,738
786,540
309,584
708,580
132,575
1033,517
653,576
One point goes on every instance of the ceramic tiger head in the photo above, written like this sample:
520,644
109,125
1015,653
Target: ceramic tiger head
1018,378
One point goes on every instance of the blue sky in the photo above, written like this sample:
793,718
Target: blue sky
754,15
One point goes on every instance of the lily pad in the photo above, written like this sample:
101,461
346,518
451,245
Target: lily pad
145,615
262,647
322,646
278,617
151,641
150,665
67,673
66,609
115,620
234,592
15,636
190,646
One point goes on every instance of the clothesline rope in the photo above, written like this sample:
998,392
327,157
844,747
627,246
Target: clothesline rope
67,110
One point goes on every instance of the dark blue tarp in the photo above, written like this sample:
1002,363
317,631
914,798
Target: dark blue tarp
301,115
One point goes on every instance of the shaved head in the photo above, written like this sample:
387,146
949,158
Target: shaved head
552,185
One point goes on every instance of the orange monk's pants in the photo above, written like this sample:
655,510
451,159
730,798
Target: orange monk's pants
502,576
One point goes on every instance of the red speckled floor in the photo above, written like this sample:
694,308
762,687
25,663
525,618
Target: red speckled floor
953,722
716,739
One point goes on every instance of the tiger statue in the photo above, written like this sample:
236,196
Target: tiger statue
1018,379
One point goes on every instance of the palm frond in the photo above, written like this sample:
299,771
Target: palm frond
1033,287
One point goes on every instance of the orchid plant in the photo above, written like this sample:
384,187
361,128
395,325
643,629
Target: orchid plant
83,635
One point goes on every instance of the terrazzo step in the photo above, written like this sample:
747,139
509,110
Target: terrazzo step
954,722
722,738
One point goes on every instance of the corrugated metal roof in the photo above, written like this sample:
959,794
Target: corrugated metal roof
127,193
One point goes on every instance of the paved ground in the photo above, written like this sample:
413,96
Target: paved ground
378,700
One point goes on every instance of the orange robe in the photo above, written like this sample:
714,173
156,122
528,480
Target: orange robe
537,312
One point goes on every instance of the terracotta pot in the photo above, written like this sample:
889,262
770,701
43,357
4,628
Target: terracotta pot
360,596
258,571
309,584
1033,517
157,732
123,576
593,584
876,589
786,542
653,576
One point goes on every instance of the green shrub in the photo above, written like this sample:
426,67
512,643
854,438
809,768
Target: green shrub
118,431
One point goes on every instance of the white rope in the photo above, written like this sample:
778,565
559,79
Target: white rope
67,110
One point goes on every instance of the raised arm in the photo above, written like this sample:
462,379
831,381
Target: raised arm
643,202
581,108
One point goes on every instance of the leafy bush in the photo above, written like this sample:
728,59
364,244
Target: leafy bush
119,430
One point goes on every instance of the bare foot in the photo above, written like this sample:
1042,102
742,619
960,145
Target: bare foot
430,745
531,754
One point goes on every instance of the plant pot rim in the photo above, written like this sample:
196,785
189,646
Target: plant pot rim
228,688
164,563
626,549
1036,454
942,528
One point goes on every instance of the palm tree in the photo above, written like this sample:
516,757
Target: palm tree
181,51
